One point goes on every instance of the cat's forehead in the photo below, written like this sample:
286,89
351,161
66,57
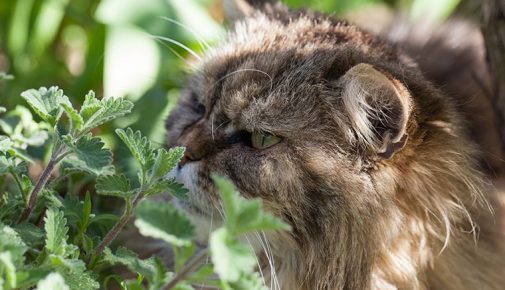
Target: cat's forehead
273,72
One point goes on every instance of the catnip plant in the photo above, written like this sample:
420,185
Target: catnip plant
55,236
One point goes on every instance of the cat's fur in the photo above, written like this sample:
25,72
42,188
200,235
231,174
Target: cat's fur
375,171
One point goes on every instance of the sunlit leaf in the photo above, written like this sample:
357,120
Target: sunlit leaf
53,281
114,185
163,221
139,146
90,151
110,109
228,253
166,161
46,103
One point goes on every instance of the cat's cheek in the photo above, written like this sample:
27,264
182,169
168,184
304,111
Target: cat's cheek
201,212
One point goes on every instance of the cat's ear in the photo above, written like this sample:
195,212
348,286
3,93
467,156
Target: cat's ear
378,106
238,9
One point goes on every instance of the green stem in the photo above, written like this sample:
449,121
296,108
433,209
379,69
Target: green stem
116,229
41,182
190,267
18,182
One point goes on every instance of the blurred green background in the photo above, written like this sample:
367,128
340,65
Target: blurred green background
128,47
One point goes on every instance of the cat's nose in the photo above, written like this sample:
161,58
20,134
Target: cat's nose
197,142
187,157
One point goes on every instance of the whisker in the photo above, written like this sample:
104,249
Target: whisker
167,39
245,70
201,41
178,55
257,260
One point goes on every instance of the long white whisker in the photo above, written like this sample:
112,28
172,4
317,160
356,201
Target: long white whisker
257,260
203,44
271,261
167,39
178,55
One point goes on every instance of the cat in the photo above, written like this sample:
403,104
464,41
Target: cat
342,136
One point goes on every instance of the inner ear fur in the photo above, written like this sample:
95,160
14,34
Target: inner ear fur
378,106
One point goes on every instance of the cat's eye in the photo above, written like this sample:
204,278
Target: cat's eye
262,140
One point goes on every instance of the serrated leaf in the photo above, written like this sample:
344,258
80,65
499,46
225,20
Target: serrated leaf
139,146
76,120
129,259
90,151
90,106
114,185
244,215
46,103
171,186
228,253
110,108
74,272
56,231
163,221
72,164
53,281
166,161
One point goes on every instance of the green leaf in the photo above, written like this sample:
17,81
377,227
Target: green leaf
5,144
230,198
74,272
7,270
244,215
129,259
76,120
139,146
250,281
164,185
53,281
163,221
228,253
90,151
110,108
56,231
114,185
11,242
166,161
46,103
30,234
28,277
90,106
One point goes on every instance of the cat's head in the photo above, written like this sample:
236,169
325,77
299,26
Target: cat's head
336,131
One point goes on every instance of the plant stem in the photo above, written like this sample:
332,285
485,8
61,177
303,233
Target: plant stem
190,267
41,182
112,234
18,182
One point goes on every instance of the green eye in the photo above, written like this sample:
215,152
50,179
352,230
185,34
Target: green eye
262,140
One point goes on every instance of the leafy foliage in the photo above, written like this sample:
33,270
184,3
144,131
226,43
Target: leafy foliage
52,237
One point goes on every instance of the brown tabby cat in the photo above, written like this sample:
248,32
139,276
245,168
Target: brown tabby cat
343,137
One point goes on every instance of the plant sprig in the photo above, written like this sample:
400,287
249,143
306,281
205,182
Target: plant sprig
68,245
